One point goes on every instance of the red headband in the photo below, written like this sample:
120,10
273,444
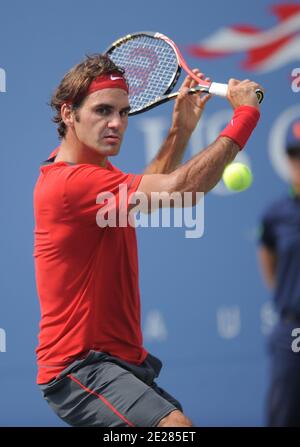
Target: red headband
108,80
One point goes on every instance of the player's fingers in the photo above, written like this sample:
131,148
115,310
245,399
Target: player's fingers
247,83
183,93
257,86
199,75
233,82
204,98
189,81
186,83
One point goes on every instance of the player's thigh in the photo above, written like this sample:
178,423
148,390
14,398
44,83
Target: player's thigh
107,395
175,419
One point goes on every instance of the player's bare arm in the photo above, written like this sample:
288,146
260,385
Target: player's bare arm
187,112
268,263
202,173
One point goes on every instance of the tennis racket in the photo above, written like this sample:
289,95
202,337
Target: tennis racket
152,64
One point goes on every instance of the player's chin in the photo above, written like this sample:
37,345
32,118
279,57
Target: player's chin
111,148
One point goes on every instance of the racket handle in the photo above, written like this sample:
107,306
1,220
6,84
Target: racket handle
218,89
221,90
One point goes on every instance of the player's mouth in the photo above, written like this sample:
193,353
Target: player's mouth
112,139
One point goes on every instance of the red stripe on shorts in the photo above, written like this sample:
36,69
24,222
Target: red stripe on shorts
105,401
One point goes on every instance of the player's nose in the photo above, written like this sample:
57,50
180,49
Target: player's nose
115,121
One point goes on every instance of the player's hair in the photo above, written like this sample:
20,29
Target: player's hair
73,87
293,150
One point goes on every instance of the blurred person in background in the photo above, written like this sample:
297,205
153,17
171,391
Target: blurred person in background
279,258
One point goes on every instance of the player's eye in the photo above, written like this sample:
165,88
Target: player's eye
124,113
104,111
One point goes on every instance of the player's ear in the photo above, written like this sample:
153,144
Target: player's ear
67,114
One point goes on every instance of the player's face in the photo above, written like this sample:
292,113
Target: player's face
294,167
101,121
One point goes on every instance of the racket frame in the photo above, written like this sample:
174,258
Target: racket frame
173,81
203,86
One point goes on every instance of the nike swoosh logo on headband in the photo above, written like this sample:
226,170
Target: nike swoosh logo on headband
114,78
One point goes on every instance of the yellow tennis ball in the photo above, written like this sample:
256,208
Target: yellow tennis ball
237,177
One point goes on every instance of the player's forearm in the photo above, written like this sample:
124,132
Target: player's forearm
170,154
268,263
202,172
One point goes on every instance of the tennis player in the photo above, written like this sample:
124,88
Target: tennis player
92,367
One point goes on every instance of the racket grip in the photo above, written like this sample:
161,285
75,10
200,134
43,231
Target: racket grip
221,90
218,89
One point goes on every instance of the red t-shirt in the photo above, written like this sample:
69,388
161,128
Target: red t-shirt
87,276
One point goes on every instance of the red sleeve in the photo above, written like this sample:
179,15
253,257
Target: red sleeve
88,188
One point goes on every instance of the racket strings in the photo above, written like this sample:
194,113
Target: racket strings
150,67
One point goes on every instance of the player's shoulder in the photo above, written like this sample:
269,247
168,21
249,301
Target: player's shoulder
109,167
90,169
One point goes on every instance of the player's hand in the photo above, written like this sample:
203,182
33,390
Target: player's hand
242,93
188,108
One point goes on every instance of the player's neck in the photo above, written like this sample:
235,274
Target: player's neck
296,189
72,151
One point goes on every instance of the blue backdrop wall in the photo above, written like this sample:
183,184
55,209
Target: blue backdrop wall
205,310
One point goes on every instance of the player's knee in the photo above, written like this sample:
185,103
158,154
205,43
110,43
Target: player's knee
175,419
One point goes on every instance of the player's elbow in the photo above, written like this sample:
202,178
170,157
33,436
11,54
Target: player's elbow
180,185
165,191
